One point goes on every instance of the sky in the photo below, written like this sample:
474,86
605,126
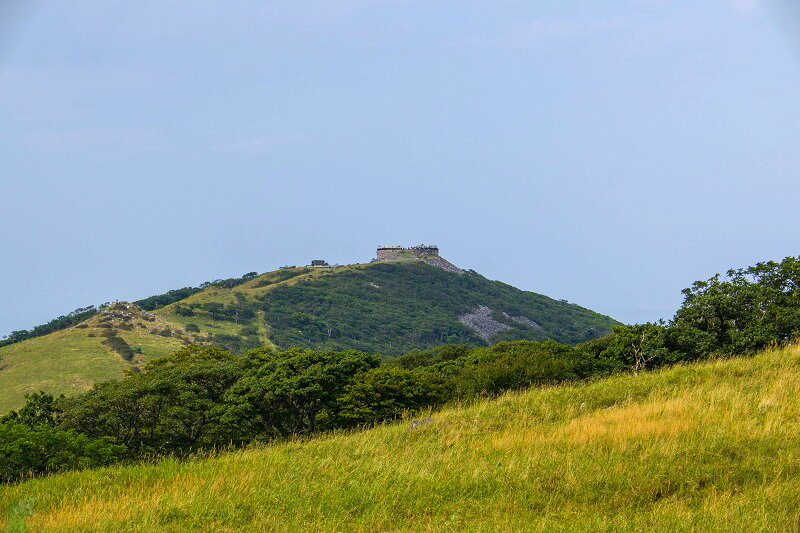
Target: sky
607,153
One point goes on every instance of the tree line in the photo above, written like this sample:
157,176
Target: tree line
203,398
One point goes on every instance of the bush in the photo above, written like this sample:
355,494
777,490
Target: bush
173,406
27,451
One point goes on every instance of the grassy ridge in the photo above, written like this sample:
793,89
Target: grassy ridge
60,363
711,446
69,361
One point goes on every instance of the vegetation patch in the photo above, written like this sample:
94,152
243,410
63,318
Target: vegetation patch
118,344
551,459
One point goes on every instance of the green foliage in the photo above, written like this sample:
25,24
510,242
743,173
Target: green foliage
173,406
388,308
26,450
293,392
517,365
118,344
639,347
40,409
440,354
183,310
239,313
158,301
744,311
386,393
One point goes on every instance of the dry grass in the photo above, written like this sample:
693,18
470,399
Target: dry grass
694,448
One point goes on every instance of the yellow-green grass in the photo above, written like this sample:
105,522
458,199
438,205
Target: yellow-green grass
253,288
64,362
152,346
71,361
707,447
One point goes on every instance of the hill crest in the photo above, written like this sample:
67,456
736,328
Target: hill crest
401,302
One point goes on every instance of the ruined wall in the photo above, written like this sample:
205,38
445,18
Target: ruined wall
385,253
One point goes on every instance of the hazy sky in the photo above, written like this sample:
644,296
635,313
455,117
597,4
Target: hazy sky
608,153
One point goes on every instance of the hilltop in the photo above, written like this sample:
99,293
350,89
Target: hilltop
406,300
709,446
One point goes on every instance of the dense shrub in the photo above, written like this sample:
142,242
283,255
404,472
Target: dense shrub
387,393
31,450
293,392
744,311
173,406
118,344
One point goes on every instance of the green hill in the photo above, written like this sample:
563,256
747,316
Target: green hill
72,360
388,308
701,447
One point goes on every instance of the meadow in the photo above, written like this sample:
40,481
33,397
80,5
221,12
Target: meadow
703,446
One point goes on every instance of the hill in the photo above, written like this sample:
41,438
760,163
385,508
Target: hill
389,307
710,446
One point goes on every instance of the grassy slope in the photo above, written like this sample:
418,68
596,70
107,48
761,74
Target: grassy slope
702,447
69,361
251,290
61,363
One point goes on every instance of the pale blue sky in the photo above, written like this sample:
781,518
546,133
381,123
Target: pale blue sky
608,153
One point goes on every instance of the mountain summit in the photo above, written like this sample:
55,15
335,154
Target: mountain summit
405,299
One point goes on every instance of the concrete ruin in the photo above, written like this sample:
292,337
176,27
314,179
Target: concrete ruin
427,253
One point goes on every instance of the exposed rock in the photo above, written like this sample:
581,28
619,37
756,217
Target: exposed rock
482,322
524,321
416,424
444,264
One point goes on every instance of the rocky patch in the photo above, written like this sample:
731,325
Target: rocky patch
482,322
525,321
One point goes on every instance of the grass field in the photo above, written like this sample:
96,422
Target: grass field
63,362
69,361
703,447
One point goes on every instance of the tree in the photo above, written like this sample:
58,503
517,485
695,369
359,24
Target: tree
26,450
293,392
385,393
174,405
40,409
640,347
515,365
746,310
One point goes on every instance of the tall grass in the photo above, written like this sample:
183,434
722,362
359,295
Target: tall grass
712,446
